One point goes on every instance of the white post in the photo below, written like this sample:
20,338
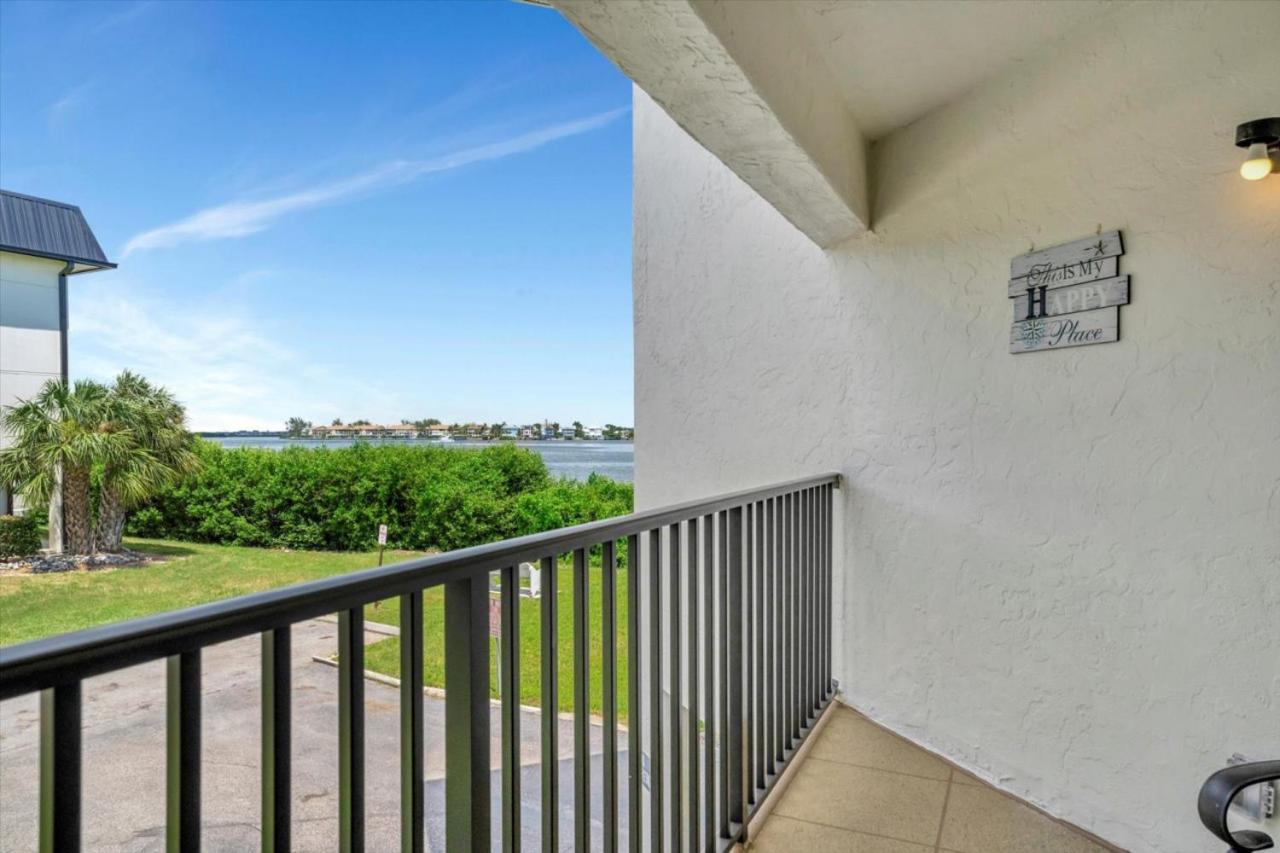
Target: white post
535,579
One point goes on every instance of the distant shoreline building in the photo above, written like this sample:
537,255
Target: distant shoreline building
42,243
474,432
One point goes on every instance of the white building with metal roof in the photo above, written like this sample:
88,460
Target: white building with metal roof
42,242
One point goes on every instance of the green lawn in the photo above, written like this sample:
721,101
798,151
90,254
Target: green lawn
33,606
384,656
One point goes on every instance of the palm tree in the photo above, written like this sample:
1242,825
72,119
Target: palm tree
156,451
58,436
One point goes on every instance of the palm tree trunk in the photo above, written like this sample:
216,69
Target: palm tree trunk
111,514
75,509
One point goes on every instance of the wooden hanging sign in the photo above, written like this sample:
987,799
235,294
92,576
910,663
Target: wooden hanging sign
1076,272
1068,295
1078,297
1101,326
1106,245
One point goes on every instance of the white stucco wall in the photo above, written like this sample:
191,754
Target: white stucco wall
1061,570
30,329
29,315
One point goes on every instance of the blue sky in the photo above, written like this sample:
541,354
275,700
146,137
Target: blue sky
367,210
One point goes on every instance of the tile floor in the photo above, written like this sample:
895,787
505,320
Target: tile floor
862,789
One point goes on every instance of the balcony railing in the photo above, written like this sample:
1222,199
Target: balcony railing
728,670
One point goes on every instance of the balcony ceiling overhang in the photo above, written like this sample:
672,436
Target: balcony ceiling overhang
789,95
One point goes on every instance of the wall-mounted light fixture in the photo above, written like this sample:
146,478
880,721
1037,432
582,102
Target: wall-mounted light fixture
1262,138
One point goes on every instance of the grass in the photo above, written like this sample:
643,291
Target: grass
34,606
384,655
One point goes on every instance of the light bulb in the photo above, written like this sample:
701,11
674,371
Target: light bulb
1257,164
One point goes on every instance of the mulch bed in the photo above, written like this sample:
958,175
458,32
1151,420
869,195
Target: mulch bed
39,564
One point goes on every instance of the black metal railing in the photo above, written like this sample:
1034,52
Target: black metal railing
729,604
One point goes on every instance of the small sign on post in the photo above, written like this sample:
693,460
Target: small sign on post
382,541
534,574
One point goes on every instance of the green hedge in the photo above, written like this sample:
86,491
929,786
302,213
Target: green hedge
19,536
334,499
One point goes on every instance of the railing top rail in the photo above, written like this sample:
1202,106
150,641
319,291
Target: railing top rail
70,657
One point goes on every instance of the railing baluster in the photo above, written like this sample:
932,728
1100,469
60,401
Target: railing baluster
805,607
757,623
806,624
60,768
509,690
747,655
634,804
722,672
351,730
581,704
793,640
277,822
412,751
816,631
771,635
655,690
815,627
675,823
182,753
609,690
466,713
824,620
784,627
777,660
802,620
737,744
550,707
829,557
691,680
765,616
708,684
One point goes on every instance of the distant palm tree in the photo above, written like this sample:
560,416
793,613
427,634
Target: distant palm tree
157,451
58,435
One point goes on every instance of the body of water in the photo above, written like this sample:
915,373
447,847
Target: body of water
574,459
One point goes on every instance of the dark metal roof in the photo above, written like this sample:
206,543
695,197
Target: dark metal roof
48,229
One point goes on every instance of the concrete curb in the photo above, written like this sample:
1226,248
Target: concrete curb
438,693
369,627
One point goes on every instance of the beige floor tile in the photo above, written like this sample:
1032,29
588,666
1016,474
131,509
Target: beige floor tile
852,739
865,800
982,820
785,835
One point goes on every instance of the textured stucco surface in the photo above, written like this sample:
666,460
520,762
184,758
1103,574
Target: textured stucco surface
741,78
1060,570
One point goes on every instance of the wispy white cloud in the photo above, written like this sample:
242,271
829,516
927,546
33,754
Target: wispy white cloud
121,15
241,218
65,107
219,359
